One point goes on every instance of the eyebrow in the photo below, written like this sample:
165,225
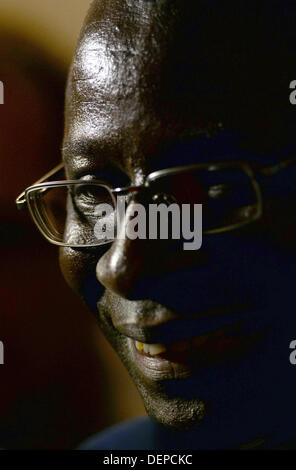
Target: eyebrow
84,156
224,145
79,147
93,147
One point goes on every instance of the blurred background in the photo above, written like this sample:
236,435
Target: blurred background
60,381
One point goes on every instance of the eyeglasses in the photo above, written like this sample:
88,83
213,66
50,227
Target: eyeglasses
65,211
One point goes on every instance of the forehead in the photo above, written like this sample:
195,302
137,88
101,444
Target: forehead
145,74
105,78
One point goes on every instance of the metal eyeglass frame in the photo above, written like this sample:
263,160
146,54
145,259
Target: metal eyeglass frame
249,168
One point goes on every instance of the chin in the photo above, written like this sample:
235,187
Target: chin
173,413
169,403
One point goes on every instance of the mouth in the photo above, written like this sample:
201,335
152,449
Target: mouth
181,359
176,349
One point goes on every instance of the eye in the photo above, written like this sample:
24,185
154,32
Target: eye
86,198
221,191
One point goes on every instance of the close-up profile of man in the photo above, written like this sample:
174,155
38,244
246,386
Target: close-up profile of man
200,90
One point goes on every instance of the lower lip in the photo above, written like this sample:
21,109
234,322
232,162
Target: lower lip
214,349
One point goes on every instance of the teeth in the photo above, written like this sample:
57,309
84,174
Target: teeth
139,346
178,347
152,349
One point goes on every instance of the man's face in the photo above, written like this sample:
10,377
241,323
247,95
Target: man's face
149,89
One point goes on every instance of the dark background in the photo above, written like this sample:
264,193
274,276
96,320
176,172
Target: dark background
60,381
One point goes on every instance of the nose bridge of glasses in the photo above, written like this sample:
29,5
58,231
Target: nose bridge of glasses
128,192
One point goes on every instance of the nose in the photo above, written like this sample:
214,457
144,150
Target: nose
122,266
126,262
138,268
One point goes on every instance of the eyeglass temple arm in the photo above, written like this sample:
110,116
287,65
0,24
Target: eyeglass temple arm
21,202
272,170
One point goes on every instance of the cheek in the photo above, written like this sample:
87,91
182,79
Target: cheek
79,270
78,265
72,265
248,267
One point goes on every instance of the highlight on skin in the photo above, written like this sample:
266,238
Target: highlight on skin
153,85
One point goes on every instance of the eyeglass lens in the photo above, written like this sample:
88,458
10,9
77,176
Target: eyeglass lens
69,213
228,195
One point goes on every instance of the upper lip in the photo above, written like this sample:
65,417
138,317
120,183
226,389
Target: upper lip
171,327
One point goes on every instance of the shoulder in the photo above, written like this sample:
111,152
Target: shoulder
136,434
